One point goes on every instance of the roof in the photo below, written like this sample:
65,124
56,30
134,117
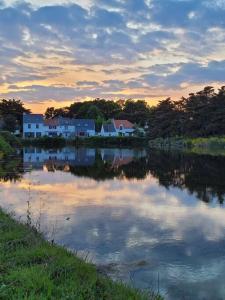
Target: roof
51,122
109,127
126,124
33,118
83,124
87,124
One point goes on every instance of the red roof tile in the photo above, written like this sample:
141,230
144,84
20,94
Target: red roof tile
126,124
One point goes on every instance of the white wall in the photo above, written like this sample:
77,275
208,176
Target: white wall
66,132
107,134
33,129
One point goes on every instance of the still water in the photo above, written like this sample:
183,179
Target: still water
153,219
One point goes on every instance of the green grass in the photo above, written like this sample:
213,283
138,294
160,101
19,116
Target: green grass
32,268
201,145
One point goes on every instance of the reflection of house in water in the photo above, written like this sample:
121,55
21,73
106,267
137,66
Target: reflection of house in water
55,158
119,157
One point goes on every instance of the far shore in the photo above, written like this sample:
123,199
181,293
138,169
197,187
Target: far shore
202,145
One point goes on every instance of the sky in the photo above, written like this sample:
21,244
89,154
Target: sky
55,52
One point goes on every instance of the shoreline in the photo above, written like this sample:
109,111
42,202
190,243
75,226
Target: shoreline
207,146
89,141
33,267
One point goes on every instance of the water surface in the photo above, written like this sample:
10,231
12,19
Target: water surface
153,219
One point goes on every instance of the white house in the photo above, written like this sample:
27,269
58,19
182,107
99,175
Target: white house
123,127
117,128
108,130
34,125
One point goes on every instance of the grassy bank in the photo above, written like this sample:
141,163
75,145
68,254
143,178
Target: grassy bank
32,268
110,141
91,142
211,145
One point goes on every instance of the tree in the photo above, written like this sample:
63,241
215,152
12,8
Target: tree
93,112
135,111
164,120
50,113
201,114
13,107
10,123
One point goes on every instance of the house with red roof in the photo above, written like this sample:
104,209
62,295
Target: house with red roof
124,127
117,128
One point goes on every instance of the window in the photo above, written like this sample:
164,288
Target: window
37,126
29,126
52,127
29,135
121,127
38,134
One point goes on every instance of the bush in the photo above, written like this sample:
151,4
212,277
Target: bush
11,139
111,141
5,148
50,142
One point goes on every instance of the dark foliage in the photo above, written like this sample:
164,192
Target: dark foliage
202,114
12,113
101,110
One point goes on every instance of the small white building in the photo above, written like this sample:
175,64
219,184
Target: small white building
108,130
124,127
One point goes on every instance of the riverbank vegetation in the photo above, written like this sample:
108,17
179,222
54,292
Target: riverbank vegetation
8,143
57,142
5,148
32,268
210,145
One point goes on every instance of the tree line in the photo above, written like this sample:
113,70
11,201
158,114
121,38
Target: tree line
102,110
11,114
201,114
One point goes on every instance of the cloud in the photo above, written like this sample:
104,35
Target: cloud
126,45
189,73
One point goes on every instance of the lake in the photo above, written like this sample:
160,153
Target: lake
153,219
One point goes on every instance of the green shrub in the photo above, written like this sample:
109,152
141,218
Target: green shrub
11,139
46,142
5,148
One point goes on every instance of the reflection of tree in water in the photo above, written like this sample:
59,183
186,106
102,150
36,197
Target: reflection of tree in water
100,170
137,169
11,169
104,170
201,174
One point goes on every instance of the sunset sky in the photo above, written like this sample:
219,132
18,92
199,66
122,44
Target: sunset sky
55,52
